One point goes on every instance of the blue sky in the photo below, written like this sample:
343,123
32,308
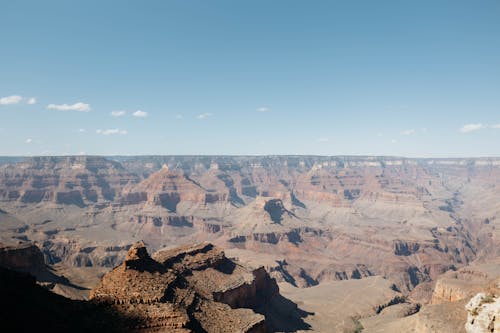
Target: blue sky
408,78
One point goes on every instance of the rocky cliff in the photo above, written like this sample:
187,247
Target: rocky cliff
407,219
28,258
28,307
189,288
483,314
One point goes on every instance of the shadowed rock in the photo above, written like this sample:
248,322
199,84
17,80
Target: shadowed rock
191,287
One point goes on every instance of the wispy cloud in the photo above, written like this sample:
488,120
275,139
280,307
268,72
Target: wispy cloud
111,131
140,114
496,126
118,113
8,100
79,106
263,109
82,130
178,116
394,141
16,99
322,140
471,128
408,132
28,141
204,115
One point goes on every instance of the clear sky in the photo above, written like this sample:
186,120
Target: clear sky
408,78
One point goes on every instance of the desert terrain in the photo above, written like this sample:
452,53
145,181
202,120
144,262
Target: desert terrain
346,244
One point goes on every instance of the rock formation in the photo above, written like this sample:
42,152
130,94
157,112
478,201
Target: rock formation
28,307
309,219
28,258
189,288
483,314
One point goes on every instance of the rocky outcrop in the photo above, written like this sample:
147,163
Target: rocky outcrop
29,307
24,257
72,180
159,220
73,254
464,283
452,290
381,213
294,236
483,314
192,287
402,248
71,198
275,209
28,258
167,188
134,198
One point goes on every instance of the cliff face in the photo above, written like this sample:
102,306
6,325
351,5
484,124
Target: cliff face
464,283
28,307
187,289
483,314
452,290
192,288
27,258
77,180
331,218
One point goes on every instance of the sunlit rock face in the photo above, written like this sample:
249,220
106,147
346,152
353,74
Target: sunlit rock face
483,313
330,218
193,286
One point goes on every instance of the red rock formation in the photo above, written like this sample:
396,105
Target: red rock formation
77,180
26,257
330,217
194,287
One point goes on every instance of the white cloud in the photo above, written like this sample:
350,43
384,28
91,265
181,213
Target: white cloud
394,141
118,113
111,131
140,114
178,116
8,100
82,130
28,141
424,129
204,115
263,109
496,126
82,107
408,132
471,127
322,140
31,101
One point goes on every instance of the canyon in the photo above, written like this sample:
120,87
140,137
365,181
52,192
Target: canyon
417,237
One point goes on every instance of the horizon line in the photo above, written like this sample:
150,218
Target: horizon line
252,155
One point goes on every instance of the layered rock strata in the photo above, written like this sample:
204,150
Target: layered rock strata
189,288
483,314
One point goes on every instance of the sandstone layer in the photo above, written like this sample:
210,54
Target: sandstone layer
192,288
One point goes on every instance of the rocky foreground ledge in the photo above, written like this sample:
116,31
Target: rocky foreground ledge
483,313
188,288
